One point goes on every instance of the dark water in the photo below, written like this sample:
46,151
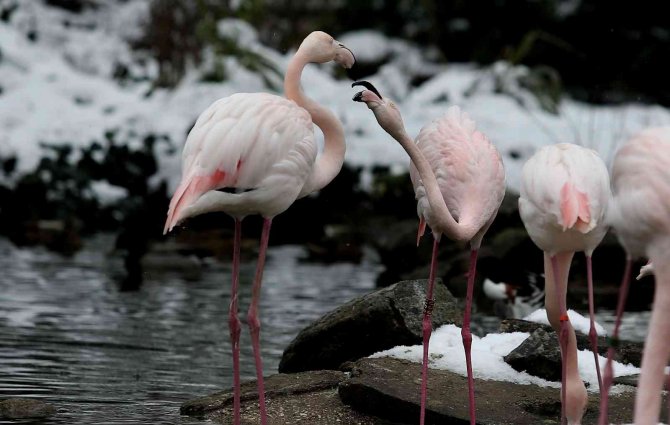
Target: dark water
70,337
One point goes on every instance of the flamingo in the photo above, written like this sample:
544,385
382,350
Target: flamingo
563,201
459,182
640,214
256,153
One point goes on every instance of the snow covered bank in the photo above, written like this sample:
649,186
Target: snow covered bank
58,86
446,352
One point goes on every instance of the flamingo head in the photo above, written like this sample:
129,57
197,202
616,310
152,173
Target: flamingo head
387,113
320,47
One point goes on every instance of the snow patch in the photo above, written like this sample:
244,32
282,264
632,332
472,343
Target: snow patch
579,322
488,352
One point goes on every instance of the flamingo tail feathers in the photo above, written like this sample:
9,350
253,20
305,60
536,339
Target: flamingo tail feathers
188,192
575,210
422,230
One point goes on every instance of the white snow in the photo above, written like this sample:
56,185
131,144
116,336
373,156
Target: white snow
579,322
60,89
446,352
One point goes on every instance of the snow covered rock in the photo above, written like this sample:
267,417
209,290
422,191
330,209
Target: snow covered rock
377,321
629,352
538,355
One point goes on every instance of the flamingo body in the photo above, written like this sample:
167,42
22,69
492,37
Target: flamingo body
257,142
564,198
641,182
641,216
468,169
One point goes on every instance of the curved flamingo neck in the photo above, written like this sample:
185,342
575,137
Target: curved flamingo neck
442,220
329,163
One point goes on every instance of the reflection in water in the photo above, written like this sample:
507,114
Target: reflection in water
69,336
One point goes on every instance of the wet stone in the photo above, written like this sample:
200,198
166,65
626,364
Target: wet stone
301,398
374,322
23,408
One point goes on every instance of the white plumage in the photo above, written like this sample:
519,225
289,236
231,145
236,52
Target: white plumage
564,198
248,141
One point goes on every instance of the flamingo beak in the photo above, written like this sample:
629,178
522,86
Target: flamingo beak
368,86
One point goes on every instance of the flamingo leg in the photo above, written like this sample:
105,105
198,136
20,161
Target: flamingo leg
427,327
573,392
563,333
234,321
608,374
252,317
656,353
466,335
593,335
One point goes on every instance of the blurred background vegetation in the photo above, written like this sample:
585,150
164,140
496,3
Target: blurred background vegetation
603,51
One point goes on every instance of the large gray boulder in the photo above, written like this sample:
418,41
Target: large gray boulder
374,322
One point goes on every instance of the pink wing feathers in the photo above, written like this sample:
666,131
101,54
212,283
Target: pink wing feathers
234,143
466,166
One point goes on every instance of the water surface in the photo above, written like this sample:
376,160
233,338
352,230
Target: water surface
70,337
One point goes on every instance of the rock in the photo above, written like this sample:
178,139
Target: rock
301,398
22,408
389,388
538,355
374,322
627,380
628,351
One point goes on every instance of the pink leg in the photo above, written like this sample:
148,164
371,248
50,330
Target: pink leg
234,322
614,340
656,351
467,336
252,317
427,329
563,334
593,336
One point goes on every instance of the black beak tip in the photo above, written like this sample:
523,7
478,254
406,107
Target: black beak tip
358,97
368,86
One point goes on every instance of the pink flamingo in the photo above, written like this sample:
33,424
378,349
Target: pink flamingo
641,216
459,181
262,147
564,197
